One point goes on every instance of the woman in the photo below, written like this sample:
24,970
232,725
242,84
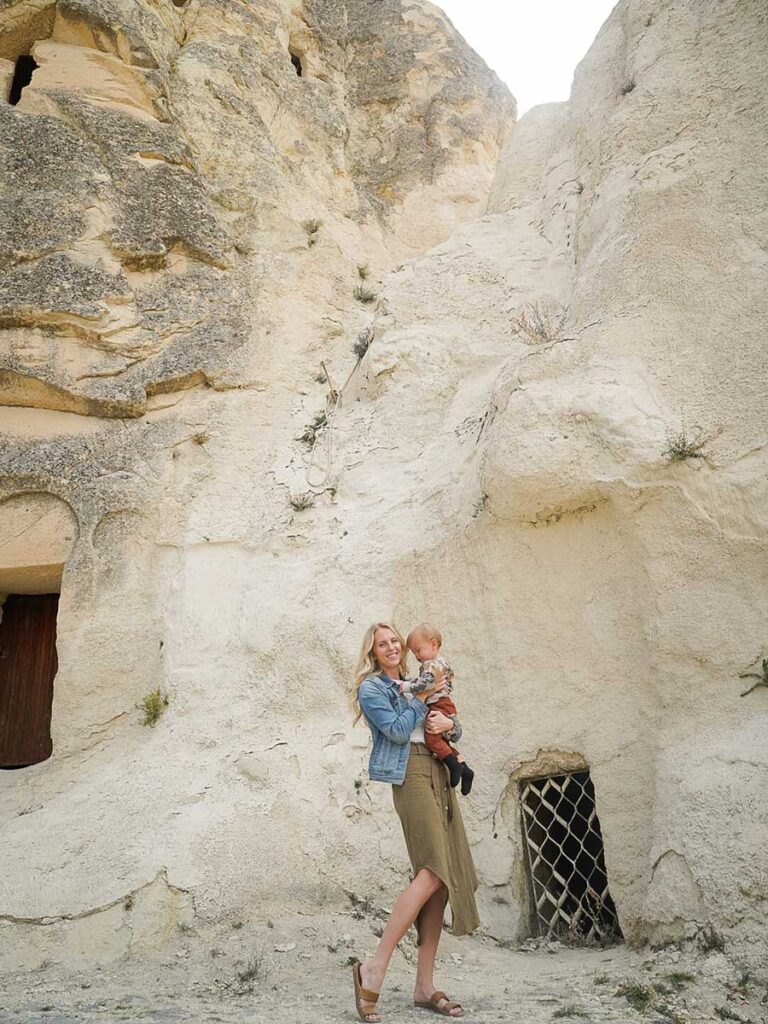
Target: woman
429,813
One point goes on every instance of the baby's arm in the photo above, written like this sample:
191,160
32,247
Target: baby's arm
424,681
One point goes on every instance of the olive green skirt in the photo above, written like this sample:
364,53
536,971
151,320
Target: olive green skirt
434,834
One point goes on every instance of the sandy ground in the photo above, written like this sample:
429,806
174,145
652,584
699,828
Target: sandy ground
298,969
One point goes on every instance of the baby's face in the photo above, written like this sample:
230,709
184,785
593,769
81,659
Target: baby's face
424,647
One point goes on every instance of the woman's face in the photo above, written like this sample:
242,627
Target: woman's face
387,650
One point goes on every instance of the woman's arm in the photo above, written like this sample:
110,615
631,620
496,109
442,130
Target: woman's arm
397,726
448,725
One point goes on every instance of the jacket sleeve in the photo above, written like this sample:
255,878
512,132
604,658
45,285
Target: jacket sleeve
396,726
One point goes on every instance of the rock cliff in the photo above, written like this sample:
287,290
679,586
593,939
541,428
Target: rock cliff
553,446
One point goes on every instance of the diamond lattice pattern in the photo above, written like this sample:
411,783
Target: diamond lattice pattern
565,858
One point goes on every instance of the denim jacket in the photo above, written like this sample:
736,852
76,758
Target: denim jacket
391,719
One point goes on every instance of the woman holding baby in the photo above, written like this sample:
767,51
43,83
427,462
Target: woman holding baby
428,811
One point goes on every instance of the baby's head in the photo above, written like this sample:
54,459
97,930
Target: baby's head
425,641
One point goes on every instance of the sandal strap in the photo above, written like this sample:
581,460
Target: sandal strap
368,996
435,999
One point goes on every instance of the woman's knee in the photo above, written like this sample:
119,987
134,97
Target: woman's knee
429,880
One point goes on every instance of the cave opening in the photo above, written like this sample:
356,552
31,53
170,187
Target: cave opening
296,61
567,875
22,76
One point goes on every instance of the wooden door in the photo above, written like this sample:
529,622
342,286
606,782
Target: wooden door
27,667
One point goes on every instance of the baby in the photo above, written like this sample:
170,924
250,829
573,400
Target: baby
425,642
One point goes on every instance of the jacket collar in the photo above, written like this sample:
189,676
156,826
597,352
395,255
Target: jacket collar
388,679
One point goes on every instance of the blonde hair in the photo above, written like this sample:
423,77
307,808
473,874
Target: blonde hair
367,664
428,632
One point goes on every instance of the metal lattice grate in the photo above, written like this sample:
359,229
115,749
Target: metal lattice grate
565,859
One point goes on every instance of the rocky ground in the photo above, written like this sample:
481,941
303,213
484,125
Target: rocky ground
298,969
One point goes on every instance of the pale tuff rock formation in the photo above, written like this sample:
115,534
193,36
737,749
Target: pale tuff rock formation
164,332
167,141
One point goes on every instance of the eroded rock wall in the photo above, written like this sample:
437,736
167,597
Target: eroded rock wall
598,599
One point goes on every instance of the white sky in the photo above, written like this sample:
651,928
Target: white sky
532,45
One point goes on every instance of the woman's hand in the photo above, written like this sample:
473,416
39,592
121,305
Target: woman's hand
437,722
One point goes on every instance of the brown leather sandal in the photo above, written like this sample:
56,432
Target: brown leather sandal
444,1011
363,995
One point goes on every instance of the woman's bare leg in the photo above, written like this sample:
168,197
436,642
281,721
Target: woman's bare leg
404,913
430,930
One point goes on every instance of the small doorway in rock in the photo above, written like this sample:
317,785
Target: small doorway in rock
27,668
568,881
22,76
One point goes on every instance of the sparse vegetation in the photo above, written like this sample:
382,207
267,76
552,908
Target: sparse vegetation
200,438
539,324
362,906
312,228
679,979
153,705
761,677
257,969
363,271
569,1010
364,294
363,343
681,445
726,1013
313,429
710,941
742,986
601,979
301,501
639,996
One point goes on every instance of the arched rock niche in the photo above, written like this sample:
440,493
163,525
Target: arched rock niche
37,534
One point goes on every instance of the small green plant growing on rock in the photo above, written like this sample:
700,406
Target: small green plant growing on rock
726,1013
710,941
301,501
364,294
257,969
363,343
761,677
539,324
639,996
681,445
312,228
313,429
679,979
153,705
569,1010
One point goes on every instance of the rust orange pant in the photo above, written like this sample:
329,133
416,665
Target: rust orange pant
435,742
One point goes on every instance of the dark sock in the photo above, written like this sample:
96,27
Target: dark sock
467,778
454,767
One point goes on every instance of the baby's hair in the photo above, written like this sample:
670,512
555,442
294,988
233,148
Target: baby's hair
428,632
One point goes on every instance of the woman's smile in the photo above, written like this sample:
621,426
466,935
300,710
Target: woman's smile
388,650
